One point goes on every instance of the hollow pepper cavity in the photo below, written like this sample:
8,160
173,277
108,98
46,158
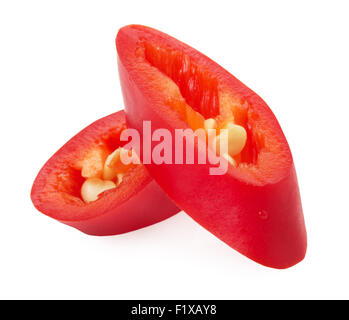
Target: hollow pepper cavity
85,185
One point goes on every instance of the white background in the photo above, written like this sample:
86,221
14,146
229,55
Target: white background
58,73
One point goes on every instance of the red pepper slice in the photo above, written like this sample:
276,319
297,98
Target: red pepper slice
137,202
255,207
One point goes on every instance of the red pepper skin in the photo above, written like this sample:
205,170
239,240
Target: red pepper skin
261,217
136,203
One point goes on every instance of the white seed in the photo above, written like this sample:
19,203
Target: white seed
116,162
134,157
128,157
119,176
233,138
210,124
110,173
231,160
92,187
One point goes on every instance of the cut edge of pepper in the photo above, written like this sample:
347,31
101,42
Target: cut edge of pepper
159,64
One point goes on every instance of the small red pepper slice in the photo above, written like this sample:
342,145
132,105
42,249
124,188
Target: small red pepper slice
136,203
255,207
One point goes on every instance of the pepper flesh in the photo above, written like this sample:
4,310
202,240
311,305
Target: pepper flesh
255,207
135,203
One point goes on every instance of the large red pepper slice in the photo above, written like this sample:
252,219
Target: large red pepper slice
135,203
255,207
